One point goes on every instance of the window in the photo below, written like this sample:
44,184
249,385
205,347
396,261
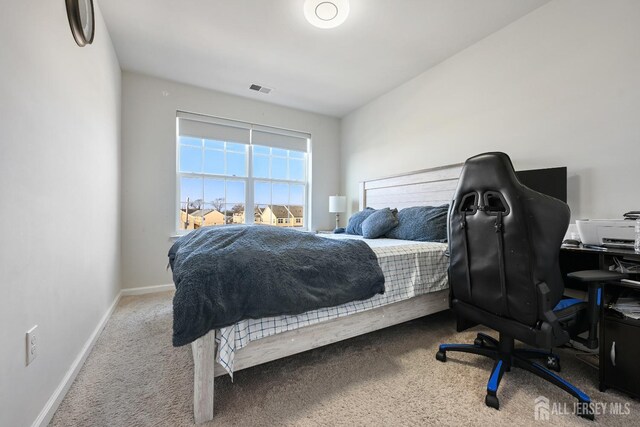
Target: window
227,168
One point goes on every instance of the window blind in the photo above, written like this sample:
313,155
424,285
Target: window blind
195,126
287,140
213,128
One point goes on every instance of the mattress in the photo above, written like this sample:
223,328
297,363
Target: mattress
410,269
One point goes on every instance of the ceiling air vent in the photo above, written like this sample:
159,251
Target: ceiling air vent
259,88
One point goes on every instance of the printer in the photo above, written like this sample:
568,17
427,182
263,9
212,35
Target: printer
611,233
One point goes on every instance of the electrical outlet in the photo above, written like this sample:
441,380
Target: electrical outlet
32,344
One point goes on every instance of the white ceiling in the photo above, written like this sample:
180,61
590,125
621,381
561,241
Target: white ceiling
228,44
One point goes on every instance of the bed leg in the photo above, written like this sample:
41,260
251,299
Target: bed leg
204,352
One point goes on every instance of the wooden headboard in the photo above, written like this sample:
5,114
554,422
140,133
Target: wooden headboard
428,187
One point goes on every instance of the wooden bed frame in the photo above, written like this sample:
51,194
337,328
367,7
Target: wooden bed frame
430,187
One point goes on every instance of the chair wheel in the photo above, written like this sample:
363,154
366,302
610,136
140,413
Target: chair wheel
553,363
478,342
492,402
441,356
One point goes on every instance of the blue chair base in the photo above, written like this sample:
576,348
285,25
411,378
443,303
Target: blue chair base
506,357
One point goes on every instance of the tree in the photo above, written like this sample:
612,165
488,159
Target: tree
238,209
196,204
218,204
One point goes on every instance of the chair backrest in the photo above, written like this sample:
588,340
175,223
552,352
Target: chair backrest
504,239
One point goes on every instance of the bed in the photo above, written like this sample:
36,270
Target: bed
252,342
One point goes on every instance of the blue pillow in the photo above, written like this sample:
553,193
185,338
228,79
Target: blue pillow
421,223
379,223
354,226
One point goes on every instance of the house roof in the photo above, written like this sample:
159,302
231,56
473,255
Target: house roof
297,211
204,212
280,211
283,211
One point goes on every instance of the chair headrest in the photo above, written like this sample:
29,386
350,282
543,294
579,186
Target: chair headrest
494,171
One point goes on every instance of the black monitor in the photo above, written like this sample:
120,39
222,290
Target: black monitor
552,181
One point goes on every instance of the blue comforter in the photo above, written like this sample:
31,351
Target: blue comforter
226,274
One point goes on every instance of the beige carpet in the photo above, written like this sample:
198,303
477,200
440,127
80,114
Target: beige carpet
134,377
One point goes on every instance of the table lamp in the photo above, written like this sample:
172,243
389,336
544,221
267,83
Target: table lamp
337,204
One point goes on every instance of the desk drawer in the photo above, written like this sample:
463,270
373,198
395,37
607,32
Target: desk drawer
620,357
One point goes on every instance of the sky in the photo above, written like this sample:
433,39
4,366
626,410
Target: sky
268,163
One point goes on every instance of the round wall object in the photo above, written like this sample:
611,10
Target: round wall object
81,20
326,13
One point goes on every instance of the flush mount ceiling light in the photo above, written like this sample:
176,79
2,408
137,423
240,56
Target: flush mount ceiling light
326,13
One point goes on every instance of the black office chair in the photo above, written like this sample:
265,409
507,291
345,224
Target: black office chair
504,244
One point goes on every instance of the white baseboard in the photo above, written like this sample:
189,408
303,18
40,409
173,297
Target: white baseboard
54,401
148,290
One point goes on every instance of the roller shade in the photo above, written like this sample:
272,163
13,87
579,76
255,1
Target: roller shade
214,131
218,129
280,140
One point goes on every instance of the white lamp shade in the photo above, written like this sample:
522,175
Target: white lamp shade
337,204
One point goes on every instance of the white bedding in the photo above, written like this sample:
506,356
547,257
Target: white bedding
380,243
410,269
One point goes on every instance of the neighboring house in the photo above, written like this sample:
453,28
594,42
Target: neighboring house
200,218
297,215
238,217
278,215
282,216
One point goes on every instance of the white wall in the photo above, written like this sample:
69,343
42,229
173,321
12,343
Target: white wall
59,197
559,87
149,108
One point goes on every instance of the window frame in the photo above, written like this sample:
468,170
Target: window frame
249,180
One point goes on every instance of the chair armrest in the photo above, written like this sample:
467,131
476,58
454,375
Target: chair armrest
546,314
594,279
591,276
